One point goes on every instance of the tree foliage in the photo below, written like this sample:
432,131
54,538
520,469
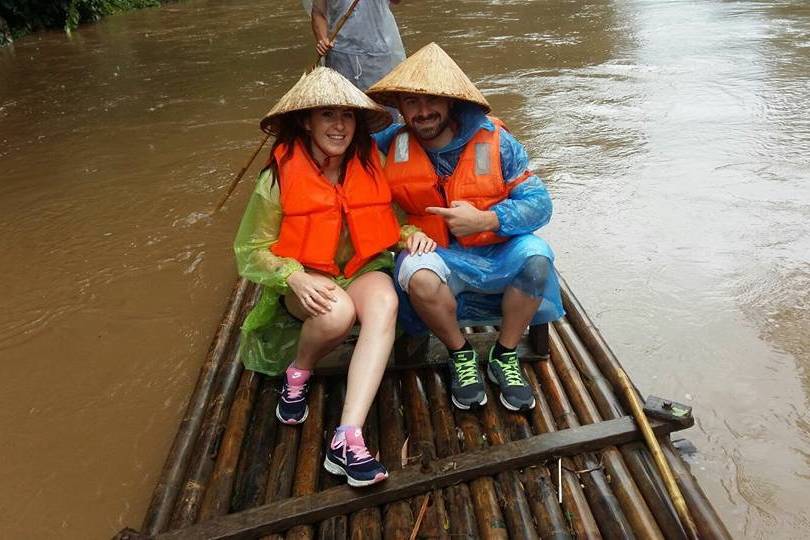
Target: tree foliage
25,16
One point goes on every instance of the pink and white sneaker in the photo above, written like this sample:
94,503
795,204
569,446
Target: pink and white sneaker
348,456
292,405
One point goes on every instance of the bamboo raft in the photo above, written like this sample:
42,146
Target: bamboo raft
574,467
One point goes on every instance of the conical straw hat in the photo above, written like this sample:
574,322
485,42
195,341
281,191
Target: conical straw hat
428,71
325,87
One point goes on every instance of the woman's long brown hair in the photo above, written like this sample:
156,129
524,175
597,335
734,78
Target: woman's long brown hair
292,129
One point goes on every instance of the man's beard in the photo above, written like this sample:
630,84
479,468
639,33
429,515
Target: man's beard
430,133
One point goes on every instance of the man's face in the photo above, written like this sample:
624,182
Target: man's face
427,116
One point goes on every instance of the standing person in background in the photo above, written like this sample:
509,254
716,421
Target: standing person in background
367,47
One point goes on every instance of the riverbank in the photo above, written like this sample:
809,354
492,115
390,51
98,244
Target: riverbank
18,18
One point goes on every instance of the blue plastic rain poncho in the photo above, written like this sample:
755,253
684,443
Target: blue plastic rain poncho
493,267
368,46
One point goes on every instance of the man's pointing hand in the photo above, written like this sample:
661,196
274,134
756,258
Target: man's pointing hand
464,219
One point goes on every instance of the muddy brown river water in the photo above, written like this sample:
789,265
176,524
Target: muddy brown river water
673,135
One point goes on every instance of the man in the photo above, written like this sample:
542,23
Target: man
464,181
367,47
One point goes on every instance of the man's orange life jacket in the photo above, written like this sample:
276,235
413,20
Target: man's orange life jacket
476,179
313,210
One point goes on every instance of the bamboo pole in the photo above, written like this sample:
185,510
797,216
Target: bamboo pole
254,461
633,503
707,520
367,523
579,514
609,514
205,452
658,455
310,454
217,499
461,512
336,527
171,477
643,470
491,523
515,506
420,443
397,516
543,500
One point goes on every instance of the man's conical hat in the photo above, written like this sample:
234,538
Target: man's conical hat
428,71
325,87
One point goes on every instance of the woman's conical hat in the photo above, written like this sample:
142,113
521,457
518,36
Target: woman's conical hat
428,71
325,87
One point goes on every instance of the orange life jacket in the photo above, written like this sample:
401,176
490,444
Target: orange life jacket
476,179
313,210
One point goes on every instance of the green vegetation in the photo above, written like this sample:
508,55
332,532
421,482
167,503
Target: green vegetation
20,17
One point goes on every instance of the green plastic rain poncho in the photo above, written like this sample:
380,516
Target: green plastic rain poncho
269,334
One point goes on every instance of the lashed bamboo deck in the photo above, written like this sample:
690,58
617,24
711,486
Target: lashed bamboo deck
235,472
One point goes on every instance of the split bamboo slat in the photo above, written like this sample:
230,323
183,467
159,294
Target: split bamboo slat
469,472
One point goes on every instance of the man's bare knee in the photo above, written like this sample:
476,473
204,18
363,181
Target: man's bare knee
424,284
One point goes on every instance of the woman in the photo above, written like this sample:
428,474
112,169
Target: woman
323,208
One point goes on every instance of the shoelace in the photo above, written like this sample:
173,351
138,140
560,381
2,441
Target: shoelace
294,391
466,368
511,369
360,452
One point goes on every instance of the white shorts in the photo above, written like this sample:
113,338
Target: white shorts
433,262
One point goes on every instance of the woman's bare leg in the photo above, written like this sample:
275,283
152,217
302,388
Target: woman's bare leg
375,302
322,333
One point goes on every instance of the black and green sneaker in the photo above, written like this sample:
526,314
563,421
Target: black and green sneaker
466,382
504,370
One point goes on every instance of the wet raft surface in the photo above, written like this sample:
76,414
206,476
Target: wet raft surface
235,471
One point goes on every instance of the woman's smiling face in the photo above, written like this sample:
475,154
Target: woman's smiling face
332,129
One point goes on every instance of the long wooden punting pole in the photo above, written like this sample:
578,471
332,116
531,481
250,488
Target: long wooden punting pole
398,516
574,502
413,481
709,524
163,498
217,499
243,170
607,403
461,511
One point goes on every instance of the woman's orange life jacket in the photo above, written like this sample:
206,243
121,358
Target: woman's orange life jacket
476,179
313,210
